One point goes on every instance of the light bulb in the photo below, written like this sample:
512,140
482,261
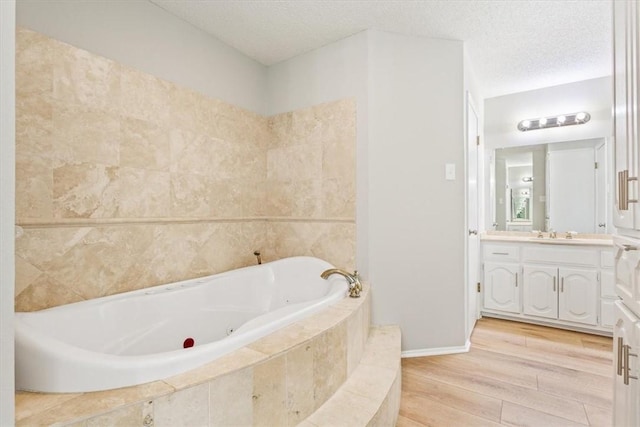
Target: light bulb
542,121
581,116
561,120
526,124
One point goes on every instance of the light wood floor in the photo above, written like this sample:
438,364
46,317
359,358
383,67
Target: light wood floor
515,374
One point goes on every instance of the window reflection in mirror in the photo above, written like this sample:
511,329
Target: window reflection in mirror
559,186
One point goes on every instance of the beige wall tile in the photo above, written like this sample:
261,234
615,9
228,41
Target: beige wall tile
34,124
300,383
183,105
34,188
42,246
81,134
144,193
144,145
355,339
188,407
45,292
34,65
95,265
269,393
227,364
333,242
169,255
131,415
26,274
190,195
338,198
86,190
299,162
343,413
289,336
96,139
144,96
295,198
329,362
80,77
191,153
87,405
231,397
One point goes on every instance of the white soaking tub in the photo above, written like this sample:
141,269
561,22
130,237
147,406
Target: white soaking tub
153,333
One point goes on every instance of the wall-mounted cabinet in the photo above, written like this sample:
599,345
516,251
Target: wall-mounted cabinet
625,100
554,284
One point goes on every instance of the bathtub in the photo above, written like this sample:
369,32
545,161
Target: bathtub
153,333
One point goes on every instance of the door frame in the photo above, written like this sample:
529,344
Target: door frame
471,303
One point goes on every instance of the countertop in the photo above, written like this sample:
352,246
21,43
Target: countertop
529,237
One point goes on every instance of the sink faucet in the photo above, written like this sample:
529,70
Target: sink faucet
355,287
552,234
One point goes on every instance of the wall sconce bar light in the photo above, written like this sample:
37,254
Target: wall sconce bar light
554,121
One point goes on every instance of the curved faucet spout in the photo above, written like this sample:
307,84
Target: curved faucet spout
355,287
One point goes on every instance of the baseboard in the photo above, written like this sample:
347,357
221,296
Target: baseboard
436,351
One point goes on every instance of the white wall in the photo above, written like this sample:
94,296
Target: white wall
417,235
7,208
335,71
146,37
410,220
503,113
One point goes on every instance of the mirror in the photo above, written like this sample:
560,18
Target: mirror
557,186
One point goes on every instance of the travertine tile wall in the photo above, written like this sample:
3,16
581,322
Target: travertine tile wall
126,181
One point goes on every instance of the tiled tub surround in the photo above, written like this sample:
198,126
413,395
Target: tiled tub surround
126,181
279,380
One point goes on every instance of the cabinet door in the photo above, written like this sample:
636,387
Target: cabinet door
578,297
625,407
540,291
623,216
627,271
502,287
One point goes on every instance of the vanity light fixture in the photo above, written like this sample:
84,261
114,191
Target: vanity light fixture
554,121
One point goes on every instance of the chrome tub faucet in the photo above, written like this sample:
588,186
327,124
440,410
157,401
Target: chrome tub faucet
355,287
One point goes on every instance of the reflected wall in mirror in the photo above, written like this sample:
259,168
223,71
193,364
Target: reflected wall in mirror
558,186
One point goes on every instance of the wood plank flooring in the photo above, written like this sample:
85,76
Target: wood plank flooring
515,374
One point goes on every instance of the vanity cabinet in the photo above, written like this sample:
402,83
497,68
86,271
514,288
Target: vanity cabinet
557,284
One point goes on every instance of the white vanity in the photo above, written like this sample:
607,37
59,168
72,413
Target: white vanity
560,282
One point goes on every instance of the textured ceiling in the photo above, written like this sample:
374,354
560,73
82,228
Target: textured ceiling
514,45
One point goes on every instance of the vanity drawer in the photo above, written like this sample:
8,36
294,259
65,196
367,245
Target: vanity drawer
561,255
493,252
